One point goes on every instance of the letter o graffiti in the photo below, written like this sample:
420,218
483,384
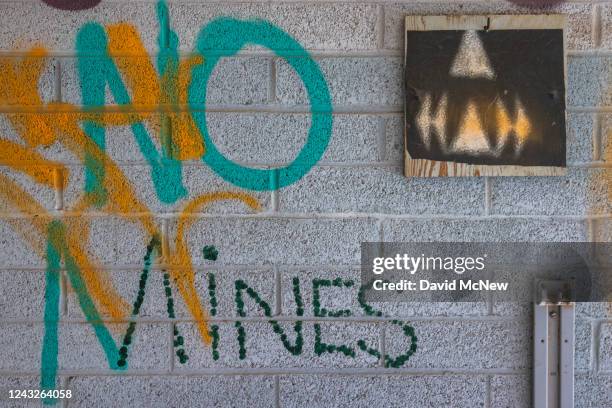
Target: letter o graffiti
224,37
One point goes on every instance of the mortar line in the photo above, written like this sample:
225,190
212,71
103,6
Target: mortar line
591,230
373,109
317,53
389,164
327,216
305,319
382,346
487,196
65,383
380,26
171,346
63,297
596,346
276,391
58,81
58,187
593,345
165,246
273,79
596,26
597,137
305,2
221,269
588,109
274,201
281,371
382,139
339,109
488,392
277,293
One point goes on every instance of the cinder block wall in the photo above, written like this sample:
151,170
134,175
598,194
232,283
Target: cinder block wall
258,115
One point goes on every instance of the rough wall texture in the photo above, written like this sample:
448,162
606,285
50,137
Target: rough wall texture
101,228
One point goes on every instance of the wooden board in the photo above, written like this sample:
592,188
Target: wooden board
503,113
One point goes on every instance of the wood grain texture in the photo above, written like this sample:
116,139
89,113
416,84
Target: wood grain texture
433,168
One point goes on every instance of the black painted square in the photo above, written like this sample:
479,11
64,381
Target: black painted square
486,97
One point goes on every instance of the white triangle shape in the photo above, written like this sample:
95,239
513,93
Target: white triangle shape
471,137
471,60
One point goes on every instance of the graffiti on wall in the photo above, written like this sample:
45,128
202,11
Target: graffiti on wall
169,84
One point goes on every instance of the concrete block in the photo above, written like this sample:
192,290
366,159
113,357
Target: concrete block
271,138
329,26
20,346
605,346
54,152
81,350
394,139
381,190
580,192
510,391
580,137
22,295
326,26
40,193
239,81
260,280
514,309
72,86
579,18
598,310
483,344
588,81
485,230
606,26
21,243
121,143
189,19
32,23
197,178
583,334
330,298
288,241
171,391
265,349
388,390
125,283
41,71
592,391
606,138
234,81
336,298
113,241
351,81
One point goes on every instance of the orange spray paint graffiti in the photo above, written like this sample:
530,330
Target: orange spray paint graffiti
115,56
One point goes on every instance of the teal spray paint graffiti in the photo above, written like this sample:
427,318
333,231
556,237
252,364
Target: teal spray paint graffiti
222,37
94,74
